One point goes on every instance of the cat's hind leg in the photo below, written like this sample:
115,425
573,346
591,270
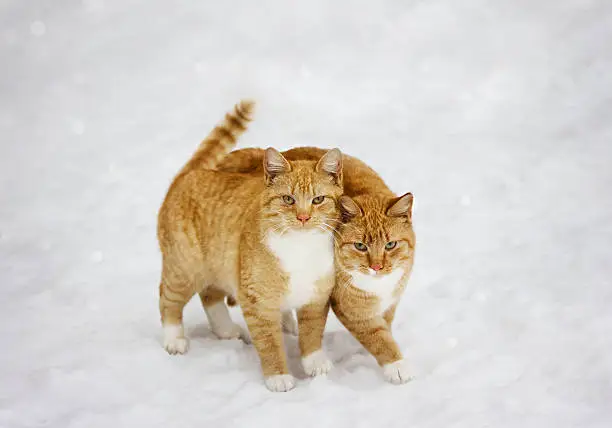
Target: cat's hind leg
218,315
173,296
289,323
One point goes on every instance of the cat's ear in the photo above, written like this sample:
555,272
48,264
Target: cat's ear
348,208
274,164
331,163
401,207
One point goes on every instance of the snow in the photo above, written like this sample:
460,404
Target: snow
496,115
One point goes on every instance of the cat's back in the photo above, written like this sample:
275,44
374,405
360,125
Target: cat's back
359,178
205,201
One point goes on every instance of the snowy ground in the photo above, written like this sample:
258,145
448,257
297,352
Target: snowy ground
495,114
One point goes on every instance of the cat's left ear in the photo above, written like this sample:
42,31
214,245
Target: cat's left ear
274,164
331,163
401,207
348,208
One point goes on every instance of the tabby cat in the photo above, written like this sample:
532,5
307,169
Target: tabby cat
265,239
374,253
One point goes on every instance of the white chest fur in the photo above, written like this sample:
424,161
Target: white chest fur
306,256
382,286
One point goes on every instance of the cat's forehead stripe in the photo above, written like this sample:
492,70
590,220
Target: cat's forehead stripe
308,183
302,187
375,229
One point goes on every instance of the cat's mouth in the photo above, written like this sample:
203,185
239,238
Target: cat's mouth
311,225
304,226
376,273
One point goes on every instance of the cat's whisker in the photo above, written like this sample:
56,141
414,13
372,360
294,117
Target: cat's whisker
333,219
281,229
323,224
335,226
275,228
332,229
327,229
329,225
285,230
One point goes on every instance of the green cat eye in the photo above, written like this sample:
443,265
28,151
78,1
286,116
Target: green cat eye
361,246
288,200
318,200
390,245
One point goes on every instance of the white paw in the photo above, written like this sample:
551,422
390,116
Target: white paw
396,372
222,325
316,364
280,383
290,325
233,331
175,341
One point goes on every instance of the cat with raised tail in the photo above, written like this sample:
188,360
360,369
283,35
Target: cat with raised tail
264,239
374,253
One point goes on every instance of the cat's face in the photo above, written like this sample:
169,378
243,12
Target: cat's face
376,236
302,194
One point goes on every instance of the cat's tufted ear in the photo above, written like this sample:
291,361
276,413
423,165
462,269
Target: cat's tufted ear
274,164
348,208
331,163
401,207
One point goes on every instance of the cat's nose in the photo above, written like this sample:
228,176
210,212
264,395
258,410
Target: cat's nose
303,218
377,266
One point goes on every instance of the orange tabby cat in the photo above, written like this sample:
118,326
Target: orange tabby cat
374,253
264,238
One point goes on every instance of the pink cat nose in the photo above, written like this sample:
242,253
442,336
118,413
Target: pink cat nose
303,218
376,266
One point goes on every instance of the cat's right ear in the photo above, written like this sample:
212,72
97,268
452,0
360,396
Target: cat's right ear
401,207
331,163
274,164
348,208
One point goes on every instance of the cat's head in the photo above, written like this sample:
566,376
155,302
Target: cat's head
301,194
376,235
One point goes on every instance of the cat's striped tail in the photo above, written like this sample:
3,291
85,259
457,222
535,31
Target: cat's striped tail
222,138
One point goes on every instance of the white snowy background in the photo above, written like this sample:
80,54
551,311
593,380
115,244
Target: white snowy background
497,115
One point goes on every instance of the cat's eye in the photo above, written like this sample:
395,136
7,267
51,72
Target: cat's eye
361,246
318,200
288,200
390,245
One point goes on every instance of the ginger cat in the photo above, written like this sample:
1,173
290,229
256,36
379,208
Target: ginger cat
374,253
265,239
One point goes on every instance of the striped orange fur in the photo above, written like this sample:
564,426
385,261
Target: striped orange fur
262,239
373,216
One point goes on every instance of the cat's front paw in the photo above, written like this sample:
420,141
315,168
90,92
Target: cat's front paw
396,372
175,341
280,383
317,363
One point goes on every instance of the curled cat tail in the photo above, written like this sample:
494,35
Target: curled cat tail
222,138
